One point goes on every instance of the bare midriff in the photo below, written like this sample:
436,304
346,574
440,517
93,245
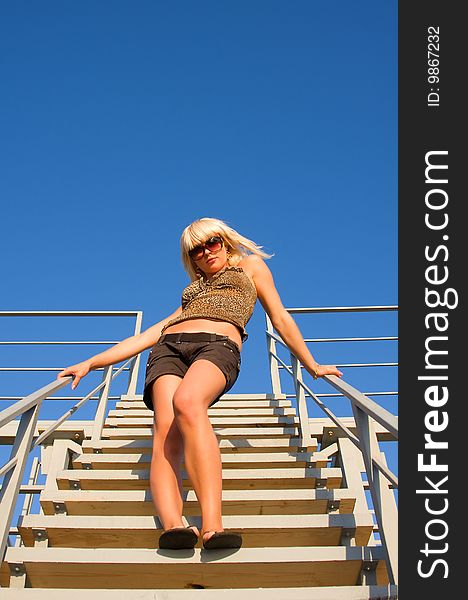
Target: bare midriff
208,326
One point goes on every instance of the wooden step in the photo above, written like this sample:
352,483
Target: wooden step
226,398
234,461
321,428
149,569
212,412
234,421
234,502
132,433
222,404
235,446
355,592
258,531
233,479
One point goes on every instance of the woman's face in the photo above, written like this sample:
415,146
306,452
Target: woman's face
212,260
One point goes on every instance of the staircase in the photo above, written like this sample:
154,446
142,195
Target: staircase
302,511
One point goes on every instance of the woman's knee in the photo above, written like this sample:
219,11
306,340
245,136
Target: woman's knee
186,403
167,437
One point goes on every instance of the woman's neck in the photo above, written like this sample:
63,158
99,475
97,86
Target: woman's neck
210,275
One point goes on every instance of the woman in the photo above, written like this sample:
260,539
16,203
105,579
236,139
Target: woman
195,358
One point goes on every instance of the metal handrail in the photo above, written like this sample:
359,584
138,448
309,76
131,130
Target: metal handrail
24,444
326,410
133,370
341,395
59,398
53,343
385,418
365,410
28,409
69,313
341,365
14,369
324,309
371,408
385,338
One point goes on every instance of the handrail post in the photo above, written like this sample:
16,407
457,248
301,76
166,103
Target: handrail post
382,496
13,478
274,370
135,365
306,439
102,405
29,498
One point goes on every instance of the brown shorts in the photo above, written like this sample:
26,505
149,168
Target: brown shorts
175,352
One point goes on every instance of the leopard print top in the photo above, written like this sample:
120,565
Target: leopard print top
229,295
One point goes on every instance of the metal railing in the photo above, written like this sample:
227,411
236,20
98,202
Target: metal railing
366,412
28,409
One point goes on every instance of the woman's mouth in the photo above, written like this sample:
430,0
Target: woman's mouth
210,260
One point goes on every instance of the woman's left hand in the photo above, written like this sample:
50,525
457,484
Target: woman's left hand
326,370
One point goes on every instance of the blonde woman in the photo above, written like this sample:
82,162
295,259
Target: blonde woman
195,357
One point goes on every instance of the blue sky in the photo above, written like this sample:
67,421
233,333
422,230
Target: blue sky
123,122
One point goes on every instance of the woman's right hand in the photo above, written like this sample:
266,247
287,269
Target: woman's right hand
78,371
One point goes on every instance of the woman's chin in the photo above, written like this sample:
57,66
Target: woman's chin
213,266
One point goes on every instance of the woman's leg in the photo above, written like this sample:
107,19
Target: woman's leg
202,383
167,455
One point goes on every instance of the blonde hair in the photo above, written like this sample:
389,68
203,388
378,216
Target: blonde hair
202,229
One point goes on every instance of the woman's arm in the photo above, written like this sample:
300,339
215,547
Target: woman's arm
127,348
282,321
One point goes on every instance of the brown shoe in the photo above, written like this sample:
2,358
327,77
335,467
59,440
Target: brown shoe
178,538
222,539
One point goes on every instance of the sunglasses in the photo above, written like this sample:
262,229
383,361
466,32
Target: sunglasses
214,244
